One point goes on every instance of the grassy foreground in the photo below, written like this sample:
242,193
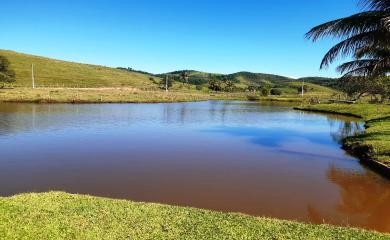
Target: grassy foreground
374,144
58,215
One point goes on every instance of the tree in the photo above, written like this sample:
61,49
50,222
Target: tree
252,88
166,83
229,86
184,76
215,85
357,87
276,92
6,74
365,37
265,92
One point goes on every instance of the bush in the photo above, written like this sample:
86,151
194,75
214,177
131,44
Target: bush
6,75
199,87
264,92
276,91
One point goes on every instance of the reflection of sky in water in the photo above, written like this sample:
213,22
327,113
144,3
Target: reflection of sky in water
228,156
200,115
272,136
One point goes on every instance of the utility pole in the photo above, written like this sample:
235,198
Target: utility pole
303,84
32,76
166,83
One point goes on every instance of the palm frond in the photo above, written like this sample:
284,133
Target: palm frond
383,5
351,45
382,67
347,27
356,66
365,67
372,51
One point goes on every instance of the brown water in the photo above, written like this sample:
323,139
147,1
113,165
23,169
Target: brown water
263,160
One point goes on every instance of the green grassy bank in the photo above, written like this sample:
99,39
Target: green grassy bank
57,215
374,144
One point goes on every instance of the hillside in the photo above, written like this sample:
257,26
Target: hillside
56,73
244,79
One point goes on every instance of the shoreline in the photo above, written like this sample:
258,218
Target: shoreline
352,145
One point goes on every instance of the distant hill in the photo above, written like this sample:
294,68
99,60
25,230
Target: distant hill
57,73
51,72
326,82
245,79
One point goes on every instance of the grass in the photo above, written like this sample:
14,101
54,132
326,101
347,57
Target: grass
58,215
56,73
374,144
314,90
128,95
108,95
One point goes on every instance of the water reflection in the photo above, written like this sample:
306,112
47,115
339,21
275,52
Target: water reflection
264,160
345,129
362,203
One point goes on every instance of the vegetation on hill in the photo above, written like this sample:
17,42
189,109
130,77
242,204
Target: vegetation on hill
7,75
51,73
58,215
326,82
247,81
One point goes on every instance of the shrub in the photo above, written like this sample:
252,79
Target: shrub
264,92
276,91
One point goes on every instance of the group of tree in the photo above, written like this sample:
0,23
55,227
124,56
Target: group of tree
264,88
378,88
365,37
6,74
222,83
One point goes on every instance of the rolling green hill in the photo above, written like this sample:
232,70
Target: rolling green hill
244,79
56,73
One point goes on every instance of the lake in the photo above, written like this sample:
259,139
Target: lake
257,159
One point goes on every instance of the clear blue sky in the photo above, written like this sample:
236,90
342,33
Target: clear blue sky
164,35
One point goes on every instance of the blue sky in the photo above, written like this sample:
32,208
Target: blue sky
165,35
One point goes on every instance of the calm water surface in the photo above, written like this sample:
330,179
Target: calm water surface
257,159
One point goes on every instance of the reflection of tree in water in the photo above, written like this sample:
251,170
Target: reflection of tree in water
344,129
364,202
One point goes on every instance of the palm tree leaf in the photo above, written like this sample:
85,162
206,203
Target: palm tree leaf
382,67
351,45
356,64
347,27
372,51
383,5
